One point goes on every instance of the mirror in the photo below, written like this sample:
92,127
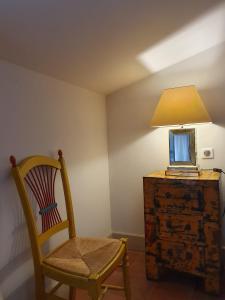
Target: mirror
182,147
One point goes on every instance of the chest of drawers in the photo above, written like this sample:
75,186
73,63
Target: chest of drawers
182,226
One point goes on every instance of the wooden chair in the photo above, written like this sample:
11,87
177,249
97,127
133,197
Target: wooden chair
79,262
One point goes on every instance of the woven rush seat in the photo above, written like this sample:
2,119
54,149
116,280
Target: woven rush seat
84,256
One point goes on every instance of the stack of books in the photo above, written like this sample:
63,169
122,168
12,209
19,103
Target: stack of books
183,171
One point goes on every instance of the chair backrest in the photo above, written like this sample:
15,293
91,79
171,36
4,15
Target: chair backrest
35,176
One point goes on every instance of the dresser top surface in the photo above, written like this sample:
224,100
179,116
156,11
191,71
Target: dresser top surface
205,175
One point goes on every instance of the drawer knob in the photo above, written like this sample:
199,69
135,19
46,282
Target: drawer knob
168,195
188,255
170,252
187,197
169,224
187,227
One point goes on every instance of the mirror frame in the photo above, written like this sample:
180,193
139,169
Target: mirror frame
192,151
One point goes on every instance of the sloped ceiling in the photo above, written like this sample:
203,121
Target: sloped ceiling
91,43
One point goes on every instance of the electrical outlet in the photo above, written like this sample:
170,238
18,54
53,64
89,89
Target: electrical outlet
207,153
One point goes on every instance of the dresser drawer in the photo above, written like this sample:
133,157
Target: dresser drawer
179,256
180,228
178,198
212,253
150,228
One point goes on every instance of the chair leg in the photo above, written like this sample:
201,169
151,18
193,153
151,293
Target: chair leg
72,294
95,295
40,287
126,276
95,289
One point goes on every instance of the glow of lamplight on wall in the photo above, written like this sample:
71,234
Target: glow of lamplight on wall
205,33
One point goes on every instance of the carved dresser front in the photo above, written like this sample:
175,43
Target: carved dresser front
182,226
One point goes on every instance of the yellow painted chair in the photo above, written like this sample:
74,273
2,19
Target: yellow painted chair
79,262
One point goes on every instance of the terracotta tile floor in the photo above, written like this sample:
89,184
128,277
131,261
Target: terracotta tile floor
172,287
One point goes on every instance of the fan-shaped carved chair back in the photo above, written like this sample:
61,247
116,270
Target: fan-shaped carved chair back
41,181
35,176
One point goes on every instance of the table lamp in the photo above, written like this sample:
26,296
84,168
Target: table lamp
180,106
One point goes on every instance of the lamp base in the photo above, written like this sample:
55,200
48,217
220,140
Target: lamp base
183,167
183,171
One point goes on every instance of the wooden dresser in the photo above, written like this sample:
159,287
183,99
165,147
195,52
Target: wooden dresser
182,226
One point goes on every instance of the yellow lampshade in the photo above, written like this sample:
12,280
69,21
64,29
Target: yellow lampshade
179,106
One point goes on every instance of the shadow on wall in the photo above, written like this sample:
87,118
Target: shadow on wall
213,98
18,250
15,245
25,291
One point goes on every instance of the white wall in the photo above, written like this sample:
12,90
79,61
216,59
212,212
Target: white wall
135,149
39,115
